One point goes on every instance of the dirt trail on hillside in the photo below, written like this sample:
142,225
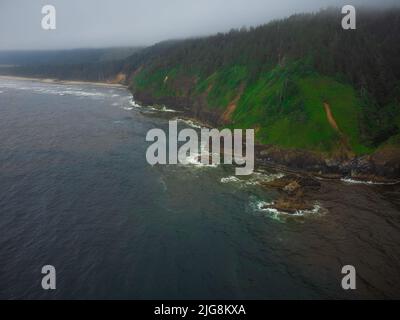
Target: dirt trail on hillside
331,119
344,141
227,115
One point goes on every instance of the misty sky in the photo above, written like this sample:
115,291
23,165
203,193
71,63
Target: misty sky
104,23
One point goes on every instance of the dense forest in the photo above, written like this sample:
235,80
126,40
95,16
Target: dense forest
75,64
283,72
276,78
59,57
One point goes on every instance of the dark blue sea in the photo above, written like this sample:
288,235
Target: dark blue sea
76,192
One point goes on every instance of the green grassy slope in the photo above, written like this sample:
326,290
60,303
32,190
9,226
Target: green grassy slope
285,105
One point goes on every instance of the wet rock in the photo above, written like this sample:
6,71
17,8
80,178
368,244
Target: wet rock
384,164
292,187
290,205
293,191
292,183
277,183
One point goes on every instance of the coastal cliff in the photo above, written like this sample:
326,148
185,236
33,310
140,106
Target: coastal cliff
381,165
319,99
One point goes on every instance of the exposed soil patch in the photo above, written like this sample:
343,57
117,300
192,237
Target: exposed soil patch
344,150
226,117
331,118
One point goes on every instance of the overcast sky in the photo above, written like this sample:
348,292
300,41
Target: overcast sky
104,23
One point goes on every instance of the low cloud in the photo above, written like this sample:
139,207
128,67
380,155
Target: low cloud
103,23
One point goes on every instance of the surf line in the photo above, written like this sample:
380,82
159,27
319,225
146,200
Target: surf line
235,149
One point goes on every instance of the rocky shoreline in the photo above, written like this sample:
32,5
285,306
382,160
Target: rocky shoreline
293,190
383,166
303,169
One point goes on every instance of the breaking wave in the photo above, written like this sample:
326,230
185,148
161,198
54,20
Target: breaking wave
165,109
55,89
194,159
230,179
261,206
352,181
134,104
190,123
254,179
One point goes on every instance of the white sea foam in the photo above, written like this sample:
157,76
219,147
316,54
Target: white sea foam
194,159
54,89
252,180
230,179
134,104
352,181
83,93
258,177
61,91
190,123
265,207
165,109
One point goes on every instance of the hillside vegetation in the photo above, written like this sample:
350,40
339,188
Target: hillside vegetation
278,77
76,64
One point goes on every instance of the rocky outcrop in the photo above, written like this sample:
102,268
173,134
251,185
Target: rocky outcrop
193,107
292,193
383,165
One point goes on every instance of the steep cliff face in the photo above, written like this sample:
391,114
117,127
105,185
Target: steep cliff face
319,98
177,92
302,120
333,153
290,105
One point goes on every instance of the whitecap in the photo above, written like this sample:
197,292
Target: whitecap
258,177
134,104
352,181
147,109
79,93
194,159
265,207
165,109
229,179
190,123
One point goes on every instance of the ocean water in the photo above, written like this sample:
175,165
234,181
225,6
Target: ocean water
77,193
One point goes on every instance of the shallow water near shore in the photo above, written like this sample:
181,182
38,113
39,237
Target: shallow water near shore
76,192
